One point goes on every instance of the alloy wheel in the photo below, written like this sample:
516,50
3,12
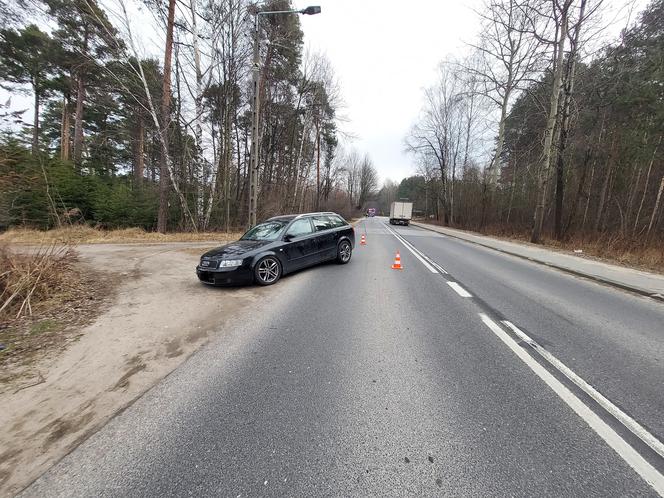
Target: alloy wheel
268,271
344,252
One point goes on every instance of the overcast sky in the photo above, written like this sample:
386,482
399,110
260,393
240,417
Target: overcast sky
384,54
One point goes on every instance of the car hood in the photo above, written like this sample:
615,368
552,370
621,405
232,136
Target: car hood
239,248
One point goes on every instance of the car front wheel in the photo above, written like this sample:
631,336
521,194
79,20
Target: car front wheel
344,252
267,271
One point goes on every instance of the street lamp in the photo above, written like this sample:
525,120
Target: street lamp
255,103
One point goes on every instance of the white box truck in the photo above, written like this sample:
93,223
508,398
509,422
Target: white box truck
401,213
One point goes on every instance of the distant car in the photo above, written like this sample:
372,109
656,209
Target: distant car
371,212
279,246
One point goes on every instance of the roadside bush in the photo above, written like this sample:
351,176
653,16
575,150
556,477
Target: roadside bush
29,279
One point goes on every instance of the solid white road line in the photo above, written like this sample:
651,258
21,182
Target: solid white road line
459,290
636,428
417,251
412,249
438,267
649,473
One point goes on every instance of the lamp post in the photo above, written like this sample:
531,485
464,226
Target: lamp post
255,103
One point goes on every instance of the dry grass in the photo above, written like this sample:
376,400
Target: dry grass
611,248
624,251
88,235
632,252
29,279
45,295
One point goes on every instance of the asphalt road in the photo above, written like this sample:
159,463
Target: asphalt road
360,380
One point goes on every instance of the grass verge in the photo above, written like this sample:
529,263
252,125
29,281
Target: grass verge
88,235
609,248
45,296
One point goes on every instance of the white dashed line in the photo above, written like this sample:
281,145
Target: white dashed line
459,290
649,473
636,428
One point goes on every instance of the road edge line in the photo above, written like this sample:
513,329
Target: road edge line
623,449
634,427
593,278
458,289
406,244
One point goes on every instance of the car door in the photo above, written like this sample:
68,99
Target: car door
325,237
300,244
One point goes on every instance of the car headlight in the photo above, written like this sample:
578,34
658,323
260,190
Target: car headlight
228,263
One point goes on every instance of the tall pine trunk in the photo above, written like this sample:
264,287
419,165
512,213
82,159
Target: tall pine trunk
139,152
78,119
65,129
35,123
162,217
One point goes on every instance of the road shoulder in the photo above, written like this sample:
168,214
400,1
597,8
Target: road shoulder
637,281
159,317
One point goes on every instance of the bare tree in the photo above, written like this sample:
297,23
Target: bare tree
440,131
508,57
147,102
560,13
368,181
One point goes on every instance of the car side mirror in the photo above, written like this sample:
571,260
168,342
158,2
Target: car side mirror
288,237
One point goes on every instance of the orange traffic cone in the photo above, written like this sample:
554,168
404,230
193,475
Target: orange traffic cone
397,262
363,240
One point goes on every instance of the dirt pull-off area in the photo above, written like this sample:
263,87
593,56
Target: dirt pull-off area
159,316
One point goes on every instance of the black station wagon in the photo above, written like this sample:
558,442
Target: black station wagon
278,246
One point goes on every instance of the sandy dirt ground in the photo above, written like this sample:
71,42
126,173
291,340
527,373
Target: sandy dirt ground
160,316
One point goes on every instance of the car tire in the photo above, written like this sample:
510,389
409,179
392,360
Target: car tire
344,252
267,271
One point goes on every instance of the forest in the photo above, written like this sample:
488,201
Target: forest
547,127
121,139
575,129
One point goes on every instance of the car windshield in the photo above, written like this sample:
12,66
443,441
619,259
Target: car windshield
270,230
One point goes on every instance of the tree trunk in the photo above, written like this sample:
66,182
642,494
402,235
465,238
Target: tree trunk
35,123
645,187
78,123
64,130
605,187
139,153
564,126
544,171
590,186
656,206
579,192
495,162
198,162
162,217
512,189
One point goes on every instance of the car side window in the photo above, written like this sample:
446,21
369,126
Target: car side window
322,223
299,228
337,221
